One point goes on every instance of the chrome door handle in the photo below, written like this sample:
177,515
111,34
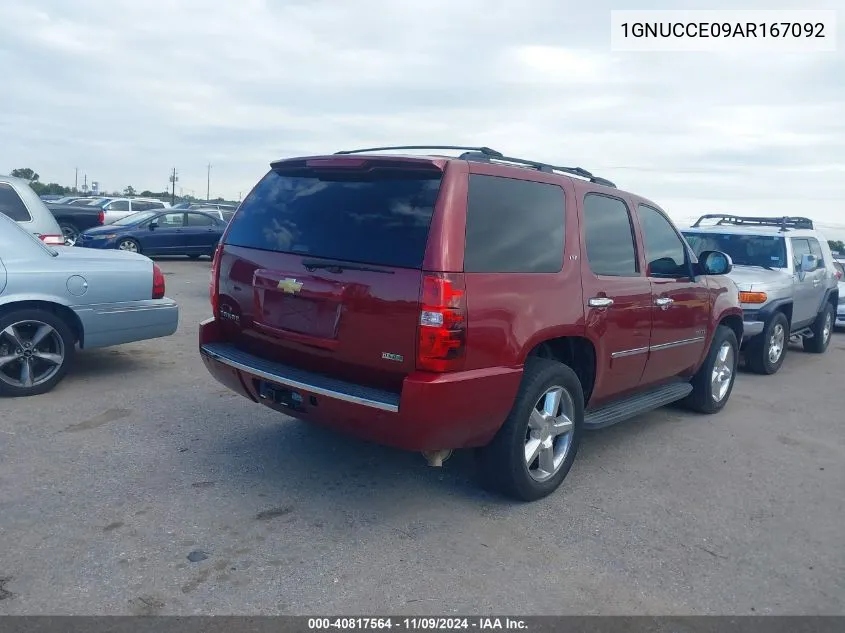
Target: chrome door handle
664,302
600,302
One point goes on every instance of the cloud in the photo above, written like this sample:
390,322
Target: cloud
126,90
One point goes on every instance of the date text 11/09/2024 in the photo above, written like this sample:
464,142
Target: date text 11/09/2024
417,623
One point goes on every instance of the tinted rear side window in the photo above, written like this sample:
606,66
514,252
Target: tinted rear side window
379,217
513,226
609,236
12,205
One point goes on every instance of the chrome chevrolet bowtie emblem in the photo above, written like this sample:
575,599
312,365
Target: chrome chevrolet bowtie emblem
290,286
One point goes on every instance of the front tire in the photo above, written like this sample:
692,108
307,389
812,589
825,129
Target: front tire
714,381
36,349
822,329
766,352
128,244
532,453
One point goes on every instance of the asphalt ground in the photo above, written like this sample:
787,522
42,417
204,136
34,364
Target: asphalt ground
139,461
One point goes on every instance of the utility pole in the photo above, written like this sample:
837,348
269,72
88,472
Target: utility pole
76,180
208,184
173,179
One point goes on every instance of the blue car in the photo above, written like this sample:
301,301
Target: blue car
191,233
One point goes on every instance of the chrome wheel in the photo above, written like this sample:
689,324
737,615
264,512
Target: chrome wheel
70,235
128,245
828,328
31,353
723,371
776,343
549,434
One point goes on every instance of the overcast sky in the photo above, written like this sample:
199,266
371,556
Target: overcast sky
128,89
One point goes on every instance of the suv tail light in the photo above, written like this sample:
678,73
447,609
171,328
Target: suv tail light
53,240
443,322
214,282
839,275
158,282
102,217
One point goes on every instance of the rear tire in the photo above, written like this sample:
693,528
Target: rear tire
550,433
765,354
714,381
47,359
822,329
70,232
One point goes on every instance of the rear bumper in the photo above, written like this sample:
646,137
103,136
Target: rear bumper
117,323
433,411
840,315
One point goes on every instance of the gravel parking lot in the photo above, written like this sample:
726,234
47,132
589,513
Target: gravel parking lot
139,461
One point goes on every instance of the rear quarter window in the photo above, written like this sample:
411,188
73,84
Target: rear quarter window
378,217
12,205
513,226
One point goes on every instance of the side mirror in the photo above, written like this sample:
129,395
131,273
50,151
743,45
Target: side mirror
808,263
715,263
153,225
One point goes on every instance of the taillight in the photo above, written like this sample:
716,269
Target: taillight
838,275
214,282
158,282
53,240
102,217
443,322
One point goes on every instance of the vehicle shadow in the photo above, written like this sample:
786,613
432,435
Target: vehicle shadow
96,363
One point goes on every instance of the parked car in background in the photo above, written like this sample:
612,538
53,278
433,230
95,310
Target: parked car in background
205,205
20,203
788,288
220,214
479,301
840,307
74,218
53,299
47,197
64,200
117,208
190,233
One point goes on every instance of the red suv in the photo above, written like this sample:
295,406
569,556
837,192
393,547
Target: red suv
434,302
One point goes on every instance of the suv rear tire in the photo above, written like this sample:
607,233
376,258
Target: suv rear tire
761,350
546,419
709,392
822,329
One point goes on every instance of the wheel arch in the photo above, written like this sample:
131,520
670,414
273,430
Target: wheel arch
577,352
59,309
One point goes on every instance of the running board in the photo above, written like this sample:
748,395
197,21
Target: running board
633,406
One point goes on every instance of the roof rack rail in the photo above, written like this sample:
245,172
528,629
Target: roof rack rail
483,150
785,223
575,171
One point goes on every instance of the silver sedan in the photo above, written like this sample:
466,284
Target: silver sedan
55,298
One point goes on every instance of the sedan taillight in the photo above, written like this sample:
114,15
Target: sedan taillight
158,282
53,240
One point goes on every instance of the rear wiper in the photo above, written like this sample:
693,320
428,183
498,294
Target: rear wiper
338,267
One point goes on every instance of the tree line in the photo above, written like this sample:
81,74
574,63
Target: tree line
55,189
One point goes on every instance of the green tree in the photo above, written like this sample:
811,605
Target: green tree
52,188
836,245
26,173
129,191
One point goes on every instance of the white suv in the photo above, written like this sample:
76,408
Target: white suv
118,208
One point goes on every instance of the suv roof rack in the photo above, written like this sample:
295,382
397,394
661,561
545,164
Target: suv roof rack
487,155
785,223
574,171
483,150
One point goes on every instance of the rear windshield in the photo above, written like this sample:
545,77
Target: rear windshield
377,217
767,251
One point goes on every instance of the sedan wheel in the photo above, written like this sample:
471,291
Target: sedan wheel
129,245
71,234
33,354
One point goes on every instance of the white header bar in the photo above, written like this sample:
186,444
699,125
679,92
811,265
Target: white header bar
723,31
